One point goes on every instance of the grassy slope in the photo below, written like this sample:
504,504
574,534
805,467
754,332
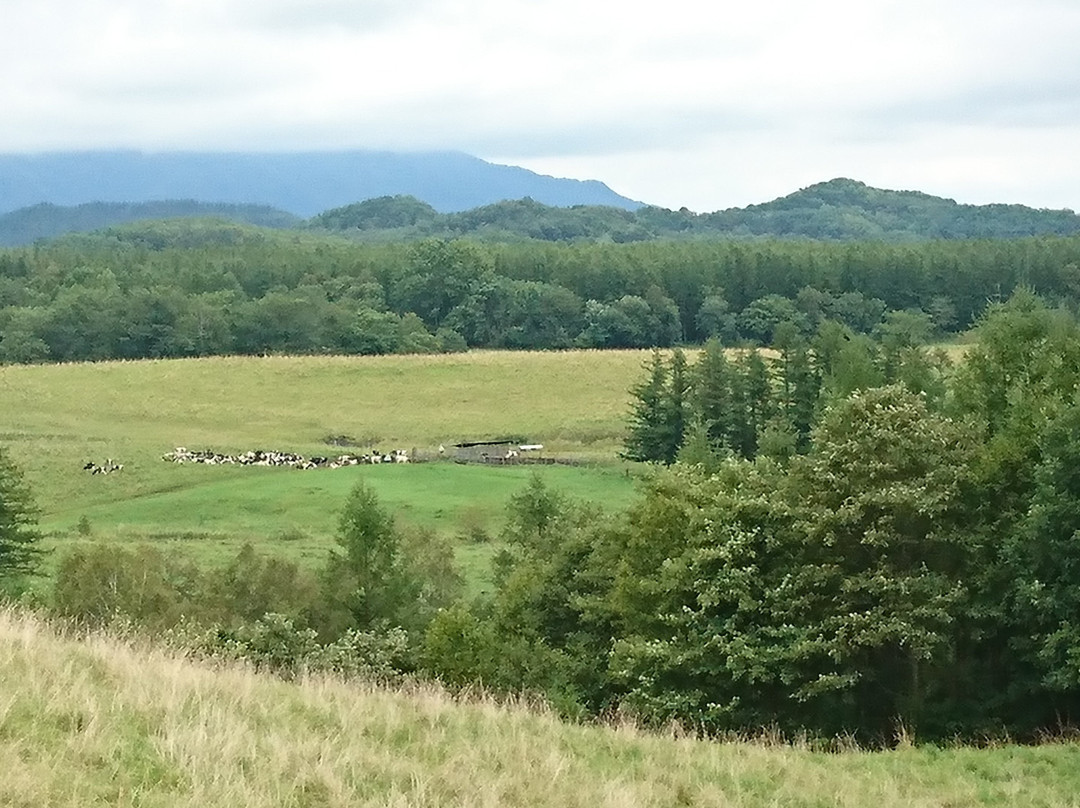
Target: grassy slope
98,722
54,418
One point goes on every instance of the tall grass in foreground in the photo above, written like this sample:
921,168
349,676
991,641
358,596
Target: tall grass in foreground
103,722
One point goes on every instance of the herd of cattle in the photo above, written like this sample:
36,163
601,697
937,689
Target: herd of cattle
259,457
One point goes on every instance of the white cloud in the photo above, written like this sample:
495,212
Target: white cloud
706,104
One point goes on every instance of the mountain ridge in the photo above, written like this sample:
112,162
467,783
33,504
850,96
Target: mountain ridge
300,183
840,209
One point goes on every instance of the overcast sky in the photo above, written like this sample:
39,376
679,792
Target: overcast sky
706,104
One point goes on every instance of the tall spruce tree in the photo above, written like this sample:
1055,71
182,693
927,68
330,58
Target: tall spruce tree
646,438
753,403
800,384
713,402
19,552
678,406
660,412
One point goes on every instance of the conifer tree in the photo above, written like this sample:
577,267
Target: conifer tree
18,537
753,404
649,419
800,385
713,402
678,406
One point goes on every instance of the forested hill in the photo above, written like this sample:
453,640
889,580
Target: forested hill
838,210
848,210
45,220
302,183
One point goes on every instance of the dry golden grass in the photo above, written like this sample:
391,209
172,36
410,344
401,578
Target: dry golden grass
102,722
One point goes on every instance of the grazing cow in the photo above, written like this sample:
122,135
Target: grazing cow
109,467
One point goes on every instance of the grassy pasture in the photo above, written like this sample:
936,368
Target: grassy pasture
54,418
99,722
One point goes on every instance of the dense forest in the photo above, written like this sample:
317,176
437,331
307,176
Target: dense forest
196,288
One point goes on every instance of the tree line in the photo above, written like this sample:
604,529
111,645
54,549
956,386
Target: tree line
179,289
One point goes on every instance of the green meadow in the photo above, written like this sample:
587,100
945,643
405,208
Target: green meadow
56,418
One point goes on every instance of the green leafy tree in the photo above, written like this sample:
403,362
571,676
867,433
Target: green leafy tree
881,499
542,315
1022,370
428,560
535,516
665,325
367,582
541,632
441,275
413,336
846,361
705,599
251,586
373,332
100,582
714,319
759,320
20,340
1043,557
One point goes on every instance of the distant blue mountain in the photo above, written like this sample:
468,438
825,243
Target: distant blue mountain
303,184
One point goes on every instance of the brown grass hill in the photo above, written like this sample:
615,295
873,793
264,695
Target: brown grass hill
100,721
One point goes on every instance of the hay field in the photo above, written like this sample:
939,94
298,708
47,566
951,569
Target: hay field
100,722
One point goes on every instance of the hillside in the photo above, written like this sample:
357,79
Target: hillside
302,183
848,210
838,210
102,722
46,220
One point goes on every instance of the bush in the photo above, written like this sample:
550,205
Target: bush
274,643
100,584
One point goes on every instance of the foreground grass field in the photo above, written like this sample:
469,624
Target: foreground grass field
55,418
99,722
